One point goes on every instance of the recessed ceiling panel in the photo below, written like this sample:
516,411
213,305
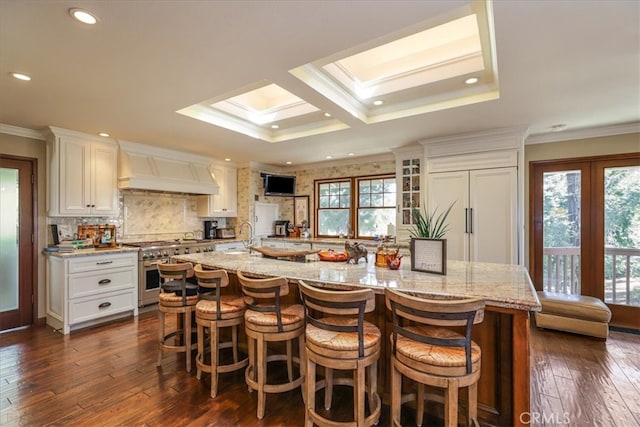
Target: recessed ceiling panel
402,75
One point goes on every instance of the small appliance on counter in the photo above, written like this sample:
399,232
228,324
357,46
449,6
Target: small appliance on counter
211,230
282,228
226,233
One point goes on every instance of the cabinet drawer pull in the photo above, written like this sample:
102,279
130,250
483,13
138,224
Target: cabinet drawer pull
104,262
105,305
104,282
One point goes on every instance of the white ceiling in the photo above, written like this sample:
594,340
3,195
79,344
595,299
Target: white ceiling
572,62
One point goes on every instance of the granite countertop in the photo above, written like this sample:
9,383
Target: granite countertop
97,251
501,285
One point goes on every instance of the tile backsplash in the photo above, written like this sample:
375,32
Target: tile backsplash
148,215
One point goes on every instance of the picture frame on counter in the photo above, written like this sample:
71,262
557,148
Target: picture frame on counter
300,210
429,255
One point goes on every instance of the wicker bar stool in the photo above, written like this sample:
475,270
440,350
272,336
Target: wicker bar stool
267,320
214,312
425,350
178,297
338,337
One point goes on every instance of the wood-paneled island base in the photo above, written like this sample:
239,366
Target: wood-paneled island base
503,390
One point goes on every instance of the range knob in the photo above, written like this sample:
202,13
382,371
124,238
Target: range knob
158,254
197,250
176,251
165,253
145,257
186,250
152,255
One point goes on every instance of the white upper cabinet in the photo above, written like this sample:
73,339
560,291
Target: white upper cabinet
83,175
225,203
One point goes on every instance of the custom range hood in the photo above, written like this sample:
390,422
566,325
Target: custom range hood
144,167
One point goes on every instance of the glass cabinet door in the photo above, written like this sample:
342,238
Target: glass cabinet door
410,192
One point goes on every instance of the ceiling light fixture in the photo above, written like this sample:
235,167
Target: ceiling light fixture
329,157
351,154
327,114
21,76
471,80
227,159
104,134
83,16
378,102
288,163
275,127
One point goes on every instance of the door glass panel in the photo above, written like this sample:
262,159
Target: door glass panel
561,232
9,239
622,236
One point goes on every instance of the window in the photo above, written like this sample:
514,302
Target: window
374,203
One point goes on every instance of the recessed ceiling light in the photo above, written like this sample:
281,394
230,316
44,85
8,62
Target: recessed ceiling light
227,159
378,102
327,114
288,163
83,16
351,154
471,80
104,134
558,127
329,157
275,127
21,76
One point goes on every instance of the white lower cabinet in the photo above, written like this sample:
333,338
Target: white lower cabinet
86,290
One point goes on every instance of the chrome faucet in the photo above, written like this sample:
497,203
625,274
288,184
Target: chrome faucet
249,242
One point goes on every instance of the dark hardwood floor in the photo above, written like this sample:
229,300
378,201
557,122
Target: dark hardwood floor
107,376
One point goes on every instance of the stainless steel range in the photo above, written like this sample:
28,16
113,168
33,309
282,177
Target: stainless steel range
151,253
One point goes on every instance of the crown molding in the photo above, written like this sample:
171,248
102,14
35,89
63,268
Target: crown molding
584,133
23,132
341,162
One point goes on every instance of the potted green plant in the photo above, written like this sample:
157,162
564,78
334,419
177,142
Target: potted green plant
428,248
430,225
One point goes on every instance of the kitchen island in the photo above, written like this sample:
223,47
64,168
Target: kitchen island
503,391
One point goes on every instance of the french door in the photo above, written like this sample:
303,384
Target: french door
585,231
17,242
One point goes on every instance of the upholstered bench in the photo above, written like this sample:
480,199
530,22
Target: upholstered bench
574,313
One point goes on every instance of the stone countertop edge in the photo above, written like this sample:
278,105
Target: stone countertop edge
500,285
370,243
98,251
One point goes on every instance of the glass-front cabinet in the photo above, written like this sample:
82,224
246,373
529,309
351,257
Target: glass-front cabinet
409,178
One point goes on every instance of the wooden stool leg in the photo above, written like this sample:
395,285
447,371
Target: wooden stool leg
303,364
234,342
451,404
160,336
251,368
420,405
328,388
187,338
358,395
473,403
289,360
310,382
213,346
200,355
373,383
396,397
262,375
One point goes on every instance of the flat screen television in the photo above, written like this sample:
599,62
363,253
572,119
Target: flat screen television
279,185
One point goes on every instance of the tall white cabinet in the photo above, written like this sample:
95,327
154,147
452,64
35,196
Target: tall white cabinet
483,174
83,174
225,203
483,221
